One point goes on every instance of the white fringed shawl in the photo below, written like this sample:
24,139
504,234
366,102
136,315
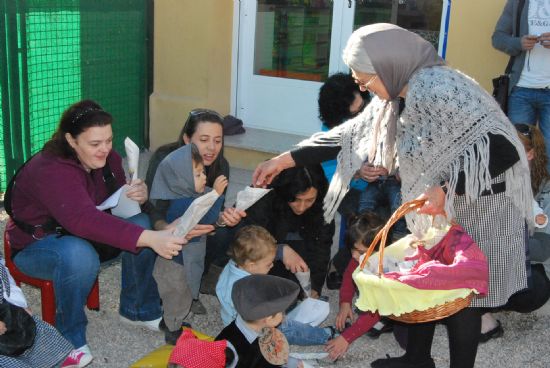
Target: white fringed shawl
442,130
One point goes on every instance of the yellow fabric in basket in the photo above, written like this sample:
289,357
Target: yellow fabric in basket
387,296
158,358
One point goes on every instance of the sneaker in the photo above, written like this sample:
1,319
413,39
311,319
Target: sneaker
150,325
77,359
197,307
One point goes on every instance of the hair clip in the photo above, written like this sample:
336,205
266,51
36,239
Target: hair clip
84,112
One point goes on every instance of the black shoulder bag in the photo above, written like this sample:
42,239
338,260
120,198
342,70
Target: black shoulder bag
501,83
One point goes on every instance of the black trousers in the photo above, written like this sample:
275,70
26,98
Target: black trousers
463,329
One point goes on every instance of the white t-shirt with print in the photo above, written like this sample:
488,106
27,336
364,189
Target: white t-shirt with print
536,70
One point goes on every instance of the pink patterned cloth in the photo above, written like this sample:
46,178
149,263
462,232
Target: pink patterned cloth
453,263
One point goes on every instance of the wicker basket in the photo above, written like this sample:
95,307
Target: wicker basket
431,314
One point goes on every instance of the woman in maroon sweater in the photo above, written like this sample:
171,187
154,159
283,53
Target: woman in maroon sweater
55,223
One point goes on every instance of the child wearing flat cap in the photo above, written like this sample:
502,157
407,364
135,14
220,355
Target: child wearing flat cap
253,252
260,301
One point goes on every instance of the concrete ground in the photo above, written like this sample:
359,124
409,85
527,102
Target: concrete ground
524,344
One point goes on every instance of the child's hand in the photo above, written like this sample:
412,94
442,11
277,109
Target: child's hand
220,184
541,219
3,328
344,313
337,347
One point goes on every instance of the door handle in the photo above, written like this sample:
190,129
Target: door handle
349,4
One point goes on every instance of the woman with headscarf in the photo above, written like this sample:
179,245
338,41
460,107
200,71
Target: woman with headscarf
454,147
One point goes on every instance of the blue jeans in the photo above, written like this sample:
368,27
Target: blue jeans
298,333
73,265
529,106
380,191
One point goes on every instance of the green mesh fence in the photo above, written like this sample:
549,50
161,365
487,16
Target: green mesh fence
56,52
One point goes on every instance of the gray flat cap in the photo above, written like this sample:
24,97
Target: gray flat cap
259,296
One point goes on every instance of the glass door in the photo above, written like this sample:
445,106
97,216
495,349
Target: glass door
288,48
284,56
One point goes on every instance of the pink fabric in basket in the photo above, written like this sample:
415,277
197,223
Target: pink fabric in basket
455,262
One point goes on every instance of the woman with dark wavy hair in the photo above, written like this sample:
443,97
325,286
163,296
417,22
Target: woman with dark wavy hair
293,213
55,225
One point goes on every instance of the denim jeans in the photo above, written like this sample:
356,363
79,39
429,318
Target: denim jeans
381,191
73,265
298,333
529,106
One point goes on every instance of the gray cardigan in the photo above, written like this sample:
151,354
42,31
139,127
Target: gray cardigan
504,40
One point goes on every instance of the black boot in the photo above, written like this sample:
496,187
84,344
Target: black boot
401,362
171,337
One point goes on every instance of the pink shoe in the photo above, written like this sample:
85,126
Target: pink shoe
77,359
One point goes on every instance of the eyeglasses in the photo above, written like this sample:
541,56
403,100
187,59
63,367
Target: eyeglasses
524,129
366,85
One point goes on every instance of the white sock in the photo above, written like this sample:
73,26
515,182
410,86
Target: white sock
488,322
85,349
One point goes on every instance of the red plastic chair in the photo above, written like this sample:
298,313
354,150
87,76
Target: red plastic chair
46,287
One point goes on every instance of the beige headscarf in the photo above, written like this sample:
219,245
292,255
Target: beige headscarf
394,55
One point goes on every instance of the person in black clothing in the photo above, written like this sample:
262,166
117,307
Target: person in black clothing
480,181
293,213
260,301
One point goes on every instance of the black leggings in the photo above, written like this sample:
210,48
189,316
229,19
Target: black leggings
463,329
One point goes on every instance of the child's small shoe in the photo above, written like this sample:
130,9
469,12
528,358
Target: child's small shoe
333,332
171,337
379,328
197,307
78,358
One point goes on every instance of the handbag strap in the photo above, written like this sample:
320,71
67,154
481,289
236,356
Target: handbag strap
521,3
382,235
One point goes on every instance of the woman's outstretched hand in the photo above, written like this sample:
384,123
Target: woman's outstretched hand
163,242
292,260
231,216
268,170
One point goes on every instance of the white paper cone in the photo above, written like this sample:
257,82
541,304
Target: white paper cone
132,154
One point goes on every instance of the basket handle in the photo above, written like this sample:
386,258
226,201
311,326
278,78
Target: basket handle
382,235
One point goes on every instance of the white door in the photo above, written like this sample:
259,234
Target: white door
287,48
